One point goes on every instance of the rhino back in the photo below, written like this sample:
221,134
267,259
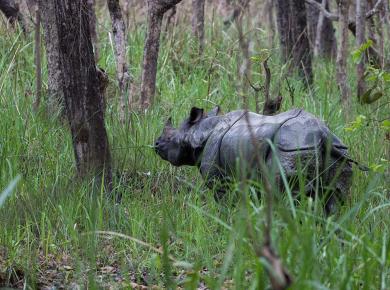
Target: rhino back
305,132
231,146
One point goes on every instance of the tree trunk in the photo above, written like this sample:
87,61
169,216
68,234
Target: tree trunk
37,59
80,86
269,14
11,11
245,67
55,99
360,40
291,18
321,31
198,22
119,31
381,34
156,10
301,50
92,27
284,23
342,52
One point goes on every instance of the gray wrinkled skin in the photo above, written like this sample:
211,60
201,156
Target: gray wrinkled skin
222,148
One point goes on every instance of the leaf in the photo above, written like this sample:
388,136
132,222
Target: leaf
357,53
386,77
378,168
370,99
356,56
261,56
386,125
366,95
357,124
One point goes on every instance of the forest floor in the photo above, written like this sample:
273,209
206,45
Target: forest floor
168,231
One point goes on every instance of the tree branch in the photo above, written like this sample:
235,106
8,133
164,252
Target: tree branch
335,17
327,14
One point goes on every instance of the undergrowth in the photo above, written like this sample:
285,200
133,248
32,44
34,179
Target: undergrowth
168,230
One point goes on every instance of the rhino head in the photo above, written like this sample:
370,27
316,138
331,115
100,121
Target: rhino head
183,146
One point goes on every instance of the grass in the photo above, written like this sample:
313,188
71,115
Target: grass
48,226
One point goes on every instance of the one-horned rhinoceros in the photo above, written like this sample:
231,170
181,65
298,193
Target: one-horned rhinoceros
222,146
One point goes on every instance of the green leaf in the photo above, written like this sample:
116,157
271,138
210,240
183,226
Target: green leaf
357,53
356,56
386,76
378,168
261,56
357,124
386,125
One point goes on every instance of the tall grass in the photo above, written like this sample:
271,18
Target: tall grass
52,217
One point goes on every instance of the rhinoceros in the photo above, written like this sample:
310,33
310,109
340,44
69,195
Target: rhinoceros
222,147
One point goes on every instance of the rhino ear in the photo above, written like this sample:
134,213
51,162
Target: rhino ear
196,115
214,112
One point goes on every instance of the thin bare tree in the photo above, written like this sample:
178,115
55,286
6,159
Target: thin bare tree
360,40
120,40
269,14
318,36
244,69
198,22
80,85
37,58
156,11
342,53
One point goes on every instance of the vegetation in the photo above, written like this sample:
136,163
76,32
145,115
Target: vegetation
168,231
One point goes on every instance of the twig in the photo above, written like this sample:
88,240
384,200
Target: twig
267,82
327,14
291,91
257,90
